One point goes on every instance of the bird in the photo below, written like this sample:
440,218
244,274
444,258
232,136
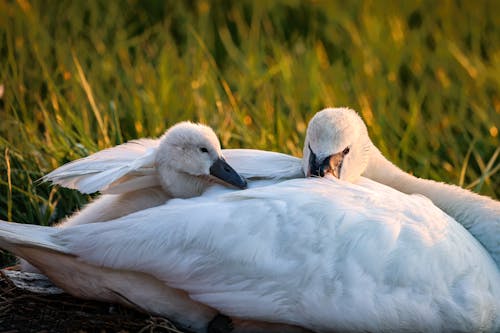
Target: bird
337,142
145,173
319,253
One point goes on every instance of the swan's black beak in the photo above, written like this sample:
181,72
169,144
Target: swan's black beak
223,171
331,164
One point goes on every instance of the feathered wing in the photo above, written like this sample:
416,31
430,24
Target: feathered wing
293,253
131,166
261,164
124,168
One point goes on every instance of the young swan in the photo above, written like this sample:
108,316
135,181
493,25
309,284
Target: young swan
337,142
182,164
145,173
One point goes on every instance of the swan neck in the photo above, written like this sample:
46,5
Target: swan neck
478,214
454,200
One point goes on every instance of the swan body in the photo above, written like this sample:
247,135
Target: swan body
319,253
333,130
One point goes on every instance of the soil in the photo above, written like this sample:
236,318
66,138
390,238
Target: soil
24,311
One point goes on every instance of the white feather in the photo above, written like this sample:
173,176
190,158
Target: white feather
104,169
15,234
130,167
333,129
320,253
260,164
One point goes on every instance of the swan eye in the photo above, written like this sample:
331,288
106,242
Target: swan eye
204,150
346,151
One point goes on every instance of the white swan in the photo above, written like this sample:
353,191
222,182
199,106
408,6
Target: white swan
337,141
320,253
145,173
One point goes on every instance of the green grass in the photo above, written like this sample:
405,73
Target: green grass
79,76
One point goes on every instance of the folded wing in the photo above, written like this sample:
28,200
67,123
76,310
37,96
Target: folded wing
131,166
261,164
119,169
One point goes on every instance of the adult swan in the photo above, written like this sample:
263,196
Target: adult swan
337,142
319,253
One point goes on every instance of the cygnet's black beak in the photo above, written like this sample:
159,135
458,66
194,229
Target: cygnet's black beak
223,171
331,164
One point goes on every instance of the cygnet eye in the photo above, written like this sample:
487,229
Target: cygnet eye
346,151
204,150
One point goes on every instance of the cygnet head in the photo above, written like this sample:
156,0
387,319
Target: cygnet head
190,155
337,142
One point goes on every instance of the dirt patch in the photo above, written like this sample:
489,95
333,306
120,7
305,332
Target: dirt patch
23,311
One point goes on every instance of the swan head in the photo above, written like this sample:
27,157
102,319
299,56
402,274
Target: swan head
194,150
336,143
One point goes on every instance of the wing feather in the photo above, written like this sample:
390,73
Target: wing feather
252,163
131,166
110,167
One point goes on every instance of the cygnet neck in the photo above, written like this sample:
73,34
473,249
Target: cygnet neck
182,185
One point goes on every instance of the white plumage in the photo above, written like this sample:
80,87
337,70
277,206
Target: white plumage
109,168
147,172
181,161
333,130
320,253
131,166
130,189
329,132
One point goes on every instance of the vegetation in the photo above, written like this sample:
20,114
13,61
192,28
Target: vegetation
80,76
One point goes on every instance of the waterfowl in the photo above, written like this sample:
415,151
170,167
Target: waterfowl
145,173
319,253
337,142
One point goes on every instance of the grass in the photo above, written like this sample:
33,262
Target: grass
79,76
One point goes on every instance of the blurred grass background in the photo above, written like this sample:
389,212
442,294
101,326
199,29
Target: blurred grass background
79,76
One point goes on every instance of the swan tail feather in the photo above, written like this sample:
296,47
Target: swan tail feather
14,236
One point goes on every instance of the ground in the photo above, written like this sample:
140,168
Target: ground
24,311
